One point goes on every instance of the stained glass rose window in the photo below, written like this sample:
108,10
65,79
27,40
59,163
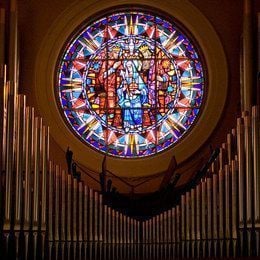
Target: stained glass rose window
130,84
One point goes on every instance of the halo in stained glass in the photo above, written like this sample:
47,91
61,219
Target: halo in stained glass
130,84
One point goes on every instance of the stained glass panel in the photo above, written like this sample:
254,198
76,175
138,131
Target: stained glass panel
130,84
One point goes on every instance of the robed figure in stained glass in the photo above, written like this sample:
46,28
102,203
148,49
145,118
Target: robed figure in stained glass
132,95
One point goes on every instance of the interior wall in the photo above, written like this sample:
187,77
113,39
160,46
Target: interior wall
227,19
35,18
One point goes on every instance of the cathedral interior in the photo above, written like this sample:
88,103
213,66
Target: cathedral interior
129,129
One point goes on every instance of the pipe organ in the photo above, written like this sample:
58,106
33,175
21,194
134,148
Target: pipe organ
219,217
48,214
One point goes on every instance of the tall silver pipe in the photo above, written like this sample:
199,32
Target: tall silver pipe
203,210
256,162
221,204
209,211
227,202
109,225
188,214
50,201
36,171
101,217
193,221
105,224
80,211
198,211
215,206
229,148
63,204
91,228
157,229
69,207
57,203
153,229
183,218
169,225
117,230
174,225
29,167
20,160
10,144
85,213
241,170
234,198
248,168
45,160
178,222
11,116
75,210
96,215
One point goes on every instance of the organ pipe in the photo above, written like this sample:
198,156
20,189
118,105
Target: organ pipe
154,229
227,201
91,208
69,207
109,229
183,217
105,224
12,116
63,204
248,167
221,204
234,198
241,169
28,166
57,203
209,207
169,226
198,211
75,210
174,225
117,225
229,148
85,215
45,160
50,202
215,206
121,237
193,216
100,217
80,211
157,229
20,159
36,171
125,229
256,162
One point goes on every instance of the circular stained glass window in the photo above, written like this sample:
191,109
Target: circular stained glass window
130,84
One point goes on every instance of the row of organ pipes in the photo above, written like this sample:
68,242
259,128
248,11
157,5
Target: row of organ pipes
43,206
220,215
48,214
